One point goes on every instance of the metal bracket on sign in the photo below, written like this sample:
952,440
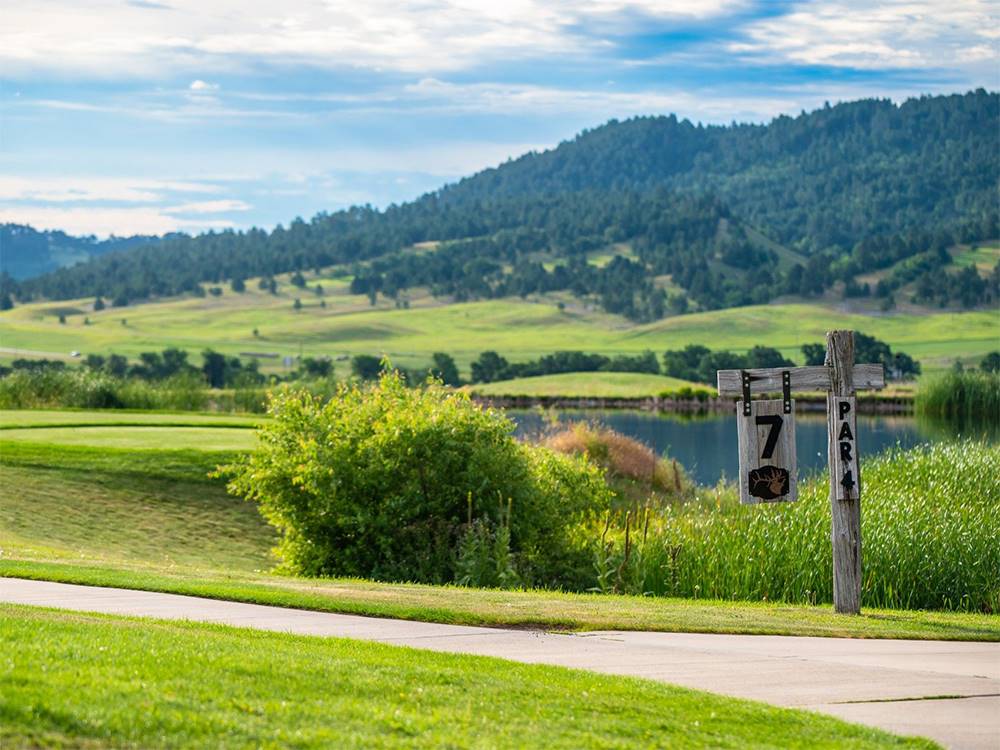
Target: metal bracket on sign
745,378
786,390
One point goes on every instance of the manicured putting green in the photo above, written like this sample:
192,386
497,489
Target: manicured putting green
139,437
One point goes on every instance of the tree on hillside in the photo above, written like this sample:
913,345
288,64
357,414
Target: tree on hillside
489,368
320,367
445,369
366,367
991,362
870,350
117,365
815,354
214,368
766,356
684,363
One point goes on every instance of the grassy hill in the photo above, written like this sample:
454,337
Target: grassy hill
520,329
585,385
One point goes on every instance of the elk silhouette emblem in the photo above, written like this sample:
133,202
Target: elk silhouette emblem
769,482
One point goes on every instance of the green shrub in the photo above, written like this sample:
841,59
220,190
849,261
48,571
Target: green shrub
383,481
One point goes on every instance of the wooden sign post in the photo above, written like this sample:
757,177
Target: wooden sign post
767,446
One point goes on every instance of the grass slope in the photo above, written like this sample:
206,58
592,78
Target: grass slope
87,680
585,385
145,437
152,520
131,430
21,418
111,510
519,329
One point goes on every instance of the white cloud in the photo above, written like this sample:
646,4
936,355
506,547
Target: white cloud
119,205
200,85
862,34
209,207
193,106
88,189
597,103
104,221
108,38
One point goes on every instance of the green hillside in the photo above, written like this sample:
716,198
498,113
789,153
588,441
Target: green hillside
518,329
585,385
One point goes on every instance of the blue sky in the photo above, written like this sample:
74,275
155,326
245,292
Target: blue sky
147,116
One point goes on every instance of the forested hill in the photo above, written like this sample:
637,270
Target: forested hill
727,215
27,252
828,178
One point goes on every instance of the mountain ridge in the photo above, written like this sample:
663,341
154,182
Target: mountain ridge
846,188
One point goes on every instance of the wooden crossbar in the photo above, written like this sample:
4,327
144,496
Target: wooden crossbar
815,378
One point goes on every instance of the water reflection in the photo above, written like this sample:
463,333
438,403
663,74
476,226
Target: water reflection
706,446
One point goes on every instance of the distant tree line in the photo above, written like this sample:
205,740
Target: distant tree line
700,364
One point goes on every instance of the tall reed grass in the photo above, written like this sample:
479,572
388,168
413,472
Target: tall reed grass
87,389
83,389
930,531
967,401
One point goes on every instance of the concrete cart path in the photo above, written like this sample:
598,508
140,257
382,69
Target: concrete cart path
895,685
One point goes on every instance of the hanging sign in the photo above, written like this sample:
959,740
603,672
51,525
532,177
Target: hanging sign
767,452
843,444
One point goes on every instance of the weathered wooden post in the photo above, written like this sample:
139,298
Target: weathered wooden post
845,475
766,431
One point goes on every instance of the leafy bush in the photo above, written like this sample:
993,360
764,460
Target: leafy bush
383,481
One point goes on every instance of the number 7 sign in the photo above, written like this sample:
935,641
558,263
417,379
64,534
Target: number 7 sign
767,453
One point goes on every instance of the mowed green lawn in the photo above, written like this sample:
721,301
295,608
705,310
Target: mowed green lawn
518,329
81,680
586,385
134,430
152,519
139,437
21,418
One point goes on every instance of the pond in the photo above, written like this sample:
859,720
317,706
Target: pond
706,446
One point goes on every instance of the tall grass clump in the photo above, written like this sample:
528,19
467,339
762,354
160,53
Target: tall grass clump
968,401
632,468
86,389
930,524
